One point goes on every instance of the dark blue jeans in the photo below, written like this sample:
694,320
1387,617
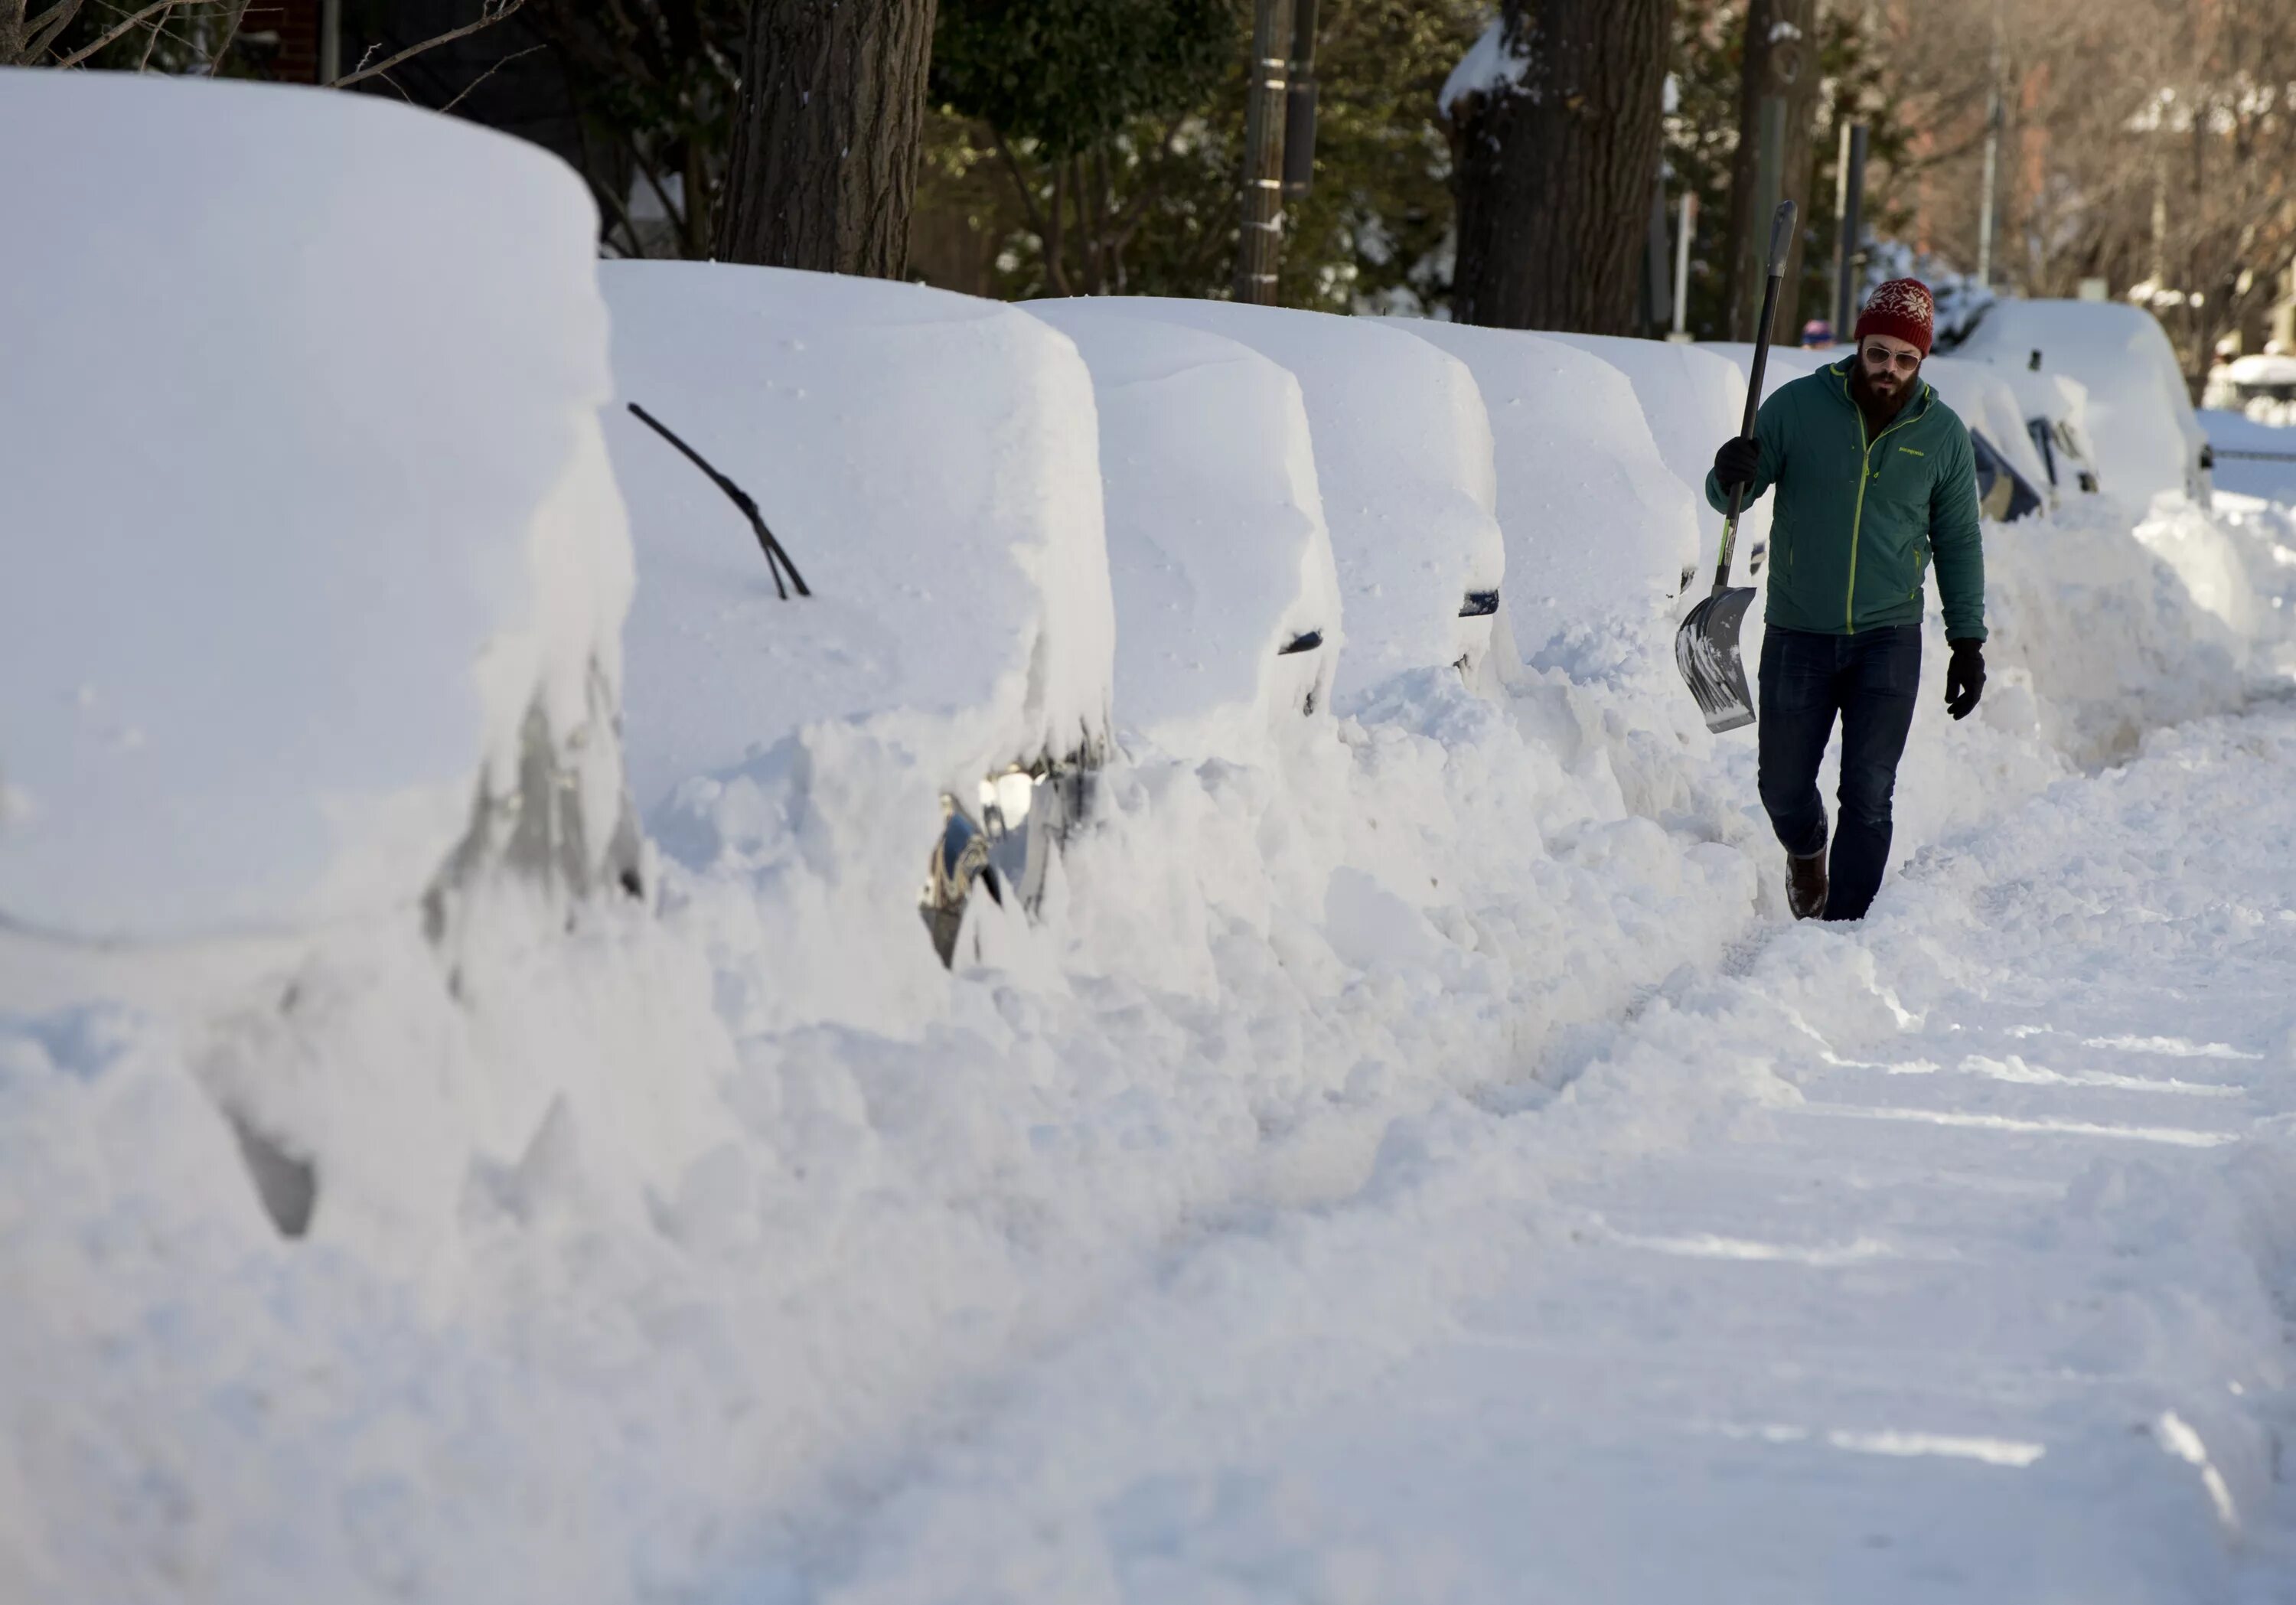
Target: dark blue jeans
1870,681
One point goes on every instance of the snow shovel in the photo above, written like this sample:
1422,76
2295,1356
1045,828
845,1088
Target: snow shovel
1706,646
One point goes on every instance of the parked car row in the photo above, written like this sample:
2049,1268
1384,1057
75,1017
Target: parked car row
906,562
1207,524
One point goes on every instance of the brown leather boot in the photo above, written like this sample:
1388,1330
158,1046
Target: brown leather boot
1805,884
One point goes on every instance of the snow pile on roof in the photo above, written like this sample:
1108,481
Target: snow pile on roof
291,571
1403,455
1597,530
2140,414
2262,368
1488,64
1228,622
929,462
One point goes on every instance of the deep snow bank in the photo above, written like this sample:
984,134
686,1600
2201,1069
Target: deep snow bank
295,584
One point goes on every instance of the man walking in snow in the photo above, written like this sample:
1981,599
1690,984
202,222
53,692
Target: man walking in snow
1875,475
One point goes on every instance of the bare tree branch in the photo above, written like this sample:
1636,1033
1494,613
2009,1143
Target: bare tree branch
238,9
45,27
490,12
493,68
125,29
150,44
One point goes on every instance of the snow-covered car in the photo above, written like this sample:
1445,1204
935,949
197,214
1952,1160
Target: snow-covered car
2261,376
1598,529
1693,400
2056,409
931,659
1403,459
399,673
1228,627
310,632
2140,417
2013,478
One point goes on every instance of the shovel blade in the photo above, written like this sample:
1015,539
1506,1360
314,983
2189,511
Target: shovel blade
1706,651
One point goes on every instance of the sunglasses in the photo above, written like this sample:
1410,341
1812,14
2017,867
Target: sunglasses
1882,356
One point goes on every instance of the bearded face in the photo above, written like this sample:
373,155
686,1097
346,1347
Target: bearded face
1887,366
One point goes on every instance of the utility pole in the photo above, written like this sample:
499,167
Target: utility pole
1259,242
1300,105
1777,98
1992,162
1851,194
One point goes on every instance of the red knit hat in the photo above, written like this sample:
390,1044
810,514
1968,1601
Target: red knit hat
1902,309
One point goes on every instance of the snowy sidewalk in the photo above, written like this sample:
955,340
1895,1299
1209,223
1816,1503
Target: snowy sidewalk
1936,1259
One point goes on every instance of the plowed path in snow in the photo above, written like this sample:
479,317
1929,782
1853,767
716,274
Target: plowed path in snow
1949,1257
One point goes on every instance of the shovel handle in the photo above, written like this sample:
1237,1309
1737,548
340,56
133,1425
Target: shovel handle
1780,240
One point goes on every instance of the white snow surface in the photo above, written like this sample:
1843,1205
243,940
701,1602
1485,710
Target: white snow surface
1403,458
1783,364
1597,528
2140,414
1416,1160
291,553
1217,548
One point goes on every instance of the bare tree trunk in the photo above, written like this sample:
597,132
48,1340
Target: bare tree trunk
1774,156
1554,171
825,158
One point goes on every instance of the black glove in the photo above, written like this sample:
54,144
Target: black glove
1735,463
1964,677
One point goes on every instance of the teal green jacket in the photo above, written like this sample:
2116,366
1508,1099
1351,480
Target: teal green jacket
1858,520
